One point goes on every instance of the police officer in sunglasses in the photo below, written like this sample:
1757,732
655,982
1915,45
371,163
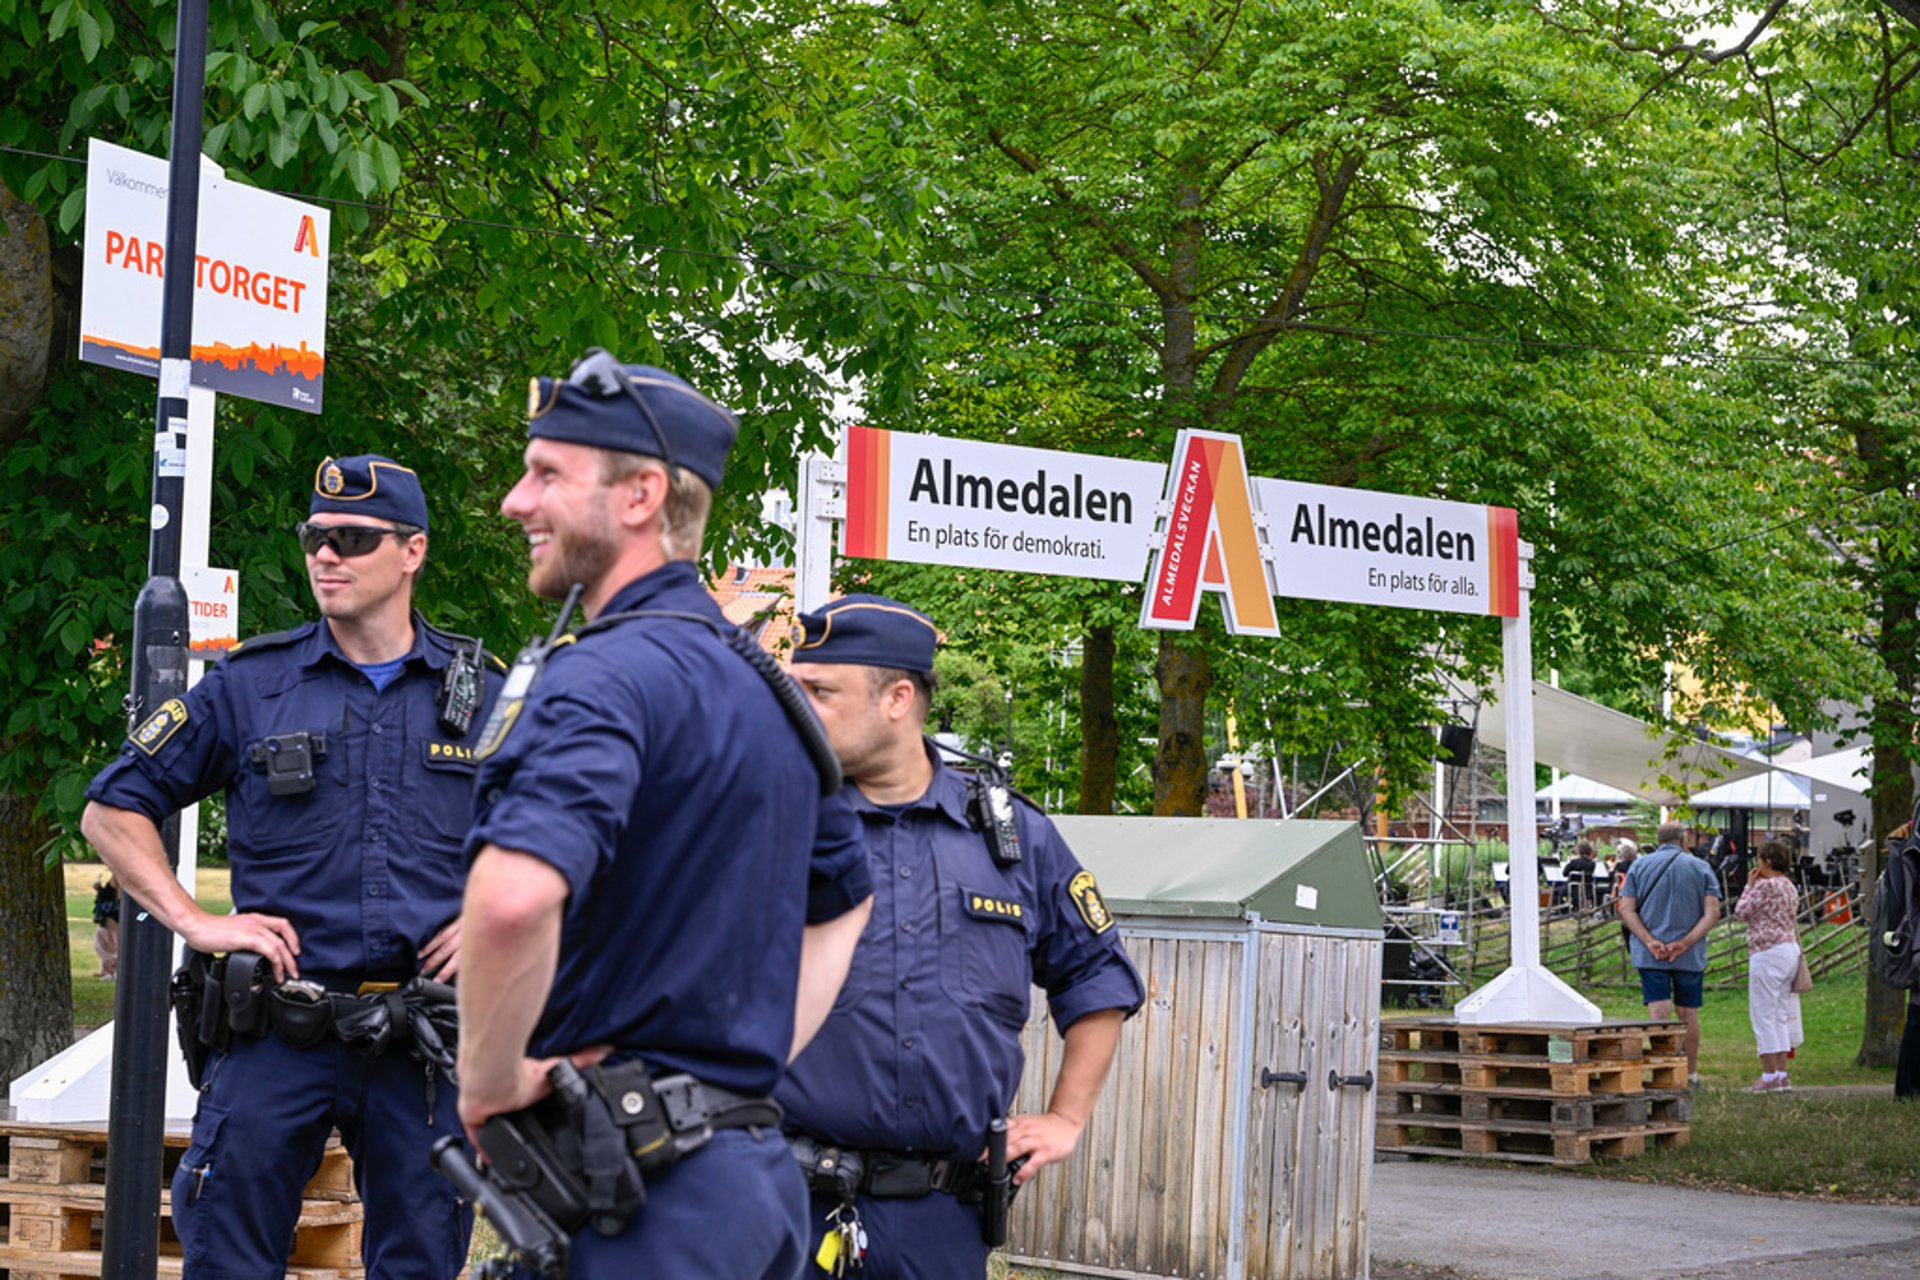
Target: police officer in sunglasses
345,749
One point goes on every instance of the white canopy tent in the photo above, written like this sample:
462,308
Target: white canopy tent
1776,789
1574,789
1579,736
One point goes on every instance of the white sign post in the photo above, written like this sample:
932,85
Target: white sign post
1527,991
259,331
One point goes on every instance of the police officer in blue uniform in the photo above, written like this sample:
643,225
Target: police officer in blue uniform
659,889
345,748
922,1050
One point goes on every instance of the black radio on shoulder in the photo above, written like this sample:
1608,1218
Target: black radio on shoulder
460,691
990,805
288,759
990,812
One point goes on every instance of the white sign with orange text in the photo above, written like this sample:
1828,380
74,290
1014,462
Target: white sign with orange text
213,610
260,280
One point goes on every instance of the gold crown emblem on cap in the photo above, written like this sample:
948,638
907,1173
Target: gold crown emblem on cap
331,479
537,405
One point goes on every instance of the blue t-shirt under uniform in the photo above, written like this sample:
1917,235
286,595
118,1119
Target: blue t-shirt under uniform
1674,905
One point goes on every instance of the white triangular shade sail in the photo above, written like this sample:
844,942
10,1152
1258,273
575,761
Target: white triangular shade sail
1847,770
1580,736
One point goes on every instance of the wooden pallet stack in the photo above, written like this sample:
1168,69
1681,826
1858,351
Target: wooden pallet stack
53,1205
1532,1093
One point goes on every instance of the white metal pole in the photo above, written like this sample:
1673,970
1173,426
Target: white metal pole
1553,678
196,520
816,512
1523,863
1527,991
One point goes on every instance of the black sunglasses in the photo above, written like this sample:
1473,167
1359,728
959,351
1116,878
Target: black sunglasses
346,540
600,373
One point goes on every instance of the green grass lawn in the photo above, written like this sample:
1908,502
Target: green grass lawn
93,998
1835,1146
1858,1145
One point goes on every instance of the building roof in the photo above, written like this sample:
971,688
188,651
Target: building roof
761,600
1295,871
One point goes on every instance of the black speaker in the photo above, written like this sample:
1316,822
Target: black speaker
1456,743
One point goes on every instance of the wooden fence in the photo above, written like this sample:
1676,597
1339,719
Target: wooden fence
1589,949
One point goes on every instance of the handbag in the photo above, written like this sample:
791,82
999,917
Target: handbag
1802,978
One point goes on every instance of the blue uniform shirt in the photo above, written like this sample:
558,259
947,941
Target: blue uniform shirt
654,769
923,1046
367,866
1673,907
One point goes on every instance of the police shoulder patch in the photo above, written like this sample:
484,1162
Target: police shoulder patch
1092,907
505,712
160,726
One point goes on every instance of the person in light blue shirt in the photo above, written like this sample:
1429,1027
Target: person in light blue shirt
1670,902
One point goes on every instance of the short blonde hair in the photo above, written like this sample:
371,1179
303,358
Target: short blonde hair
683,517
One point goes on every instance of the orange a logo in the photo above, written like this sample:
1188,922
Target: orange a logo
1210,542
307,239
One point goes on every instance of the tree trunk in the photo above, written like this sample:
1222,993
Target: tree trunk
26,312
36,993
1886,1005
1180,763
1892,723
1099,728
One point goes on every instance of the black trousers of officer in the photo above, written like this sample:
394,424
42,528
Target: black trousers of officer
266,1111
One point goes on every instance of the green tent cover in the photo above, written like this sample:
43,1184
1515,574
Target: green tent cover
1294,872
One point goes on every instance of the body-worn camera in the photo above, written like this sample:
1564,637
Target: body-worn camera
288,759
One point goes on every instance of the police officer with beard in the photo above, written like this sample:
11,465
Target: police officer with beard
660,895
922,1052
345,748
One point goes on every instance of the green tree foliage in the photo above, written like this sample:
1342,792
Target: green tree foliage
1424,248
508,188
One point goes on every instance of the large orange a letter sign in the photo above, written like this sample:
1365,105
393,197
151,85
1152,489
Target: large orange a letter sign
1210,542
307,238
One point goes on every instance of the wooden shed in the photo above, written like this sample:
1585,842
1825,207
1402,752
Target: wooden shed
1234,1138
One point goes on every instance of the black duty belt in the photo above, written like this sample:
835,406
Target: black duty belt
582,1154
842,1172
688,1102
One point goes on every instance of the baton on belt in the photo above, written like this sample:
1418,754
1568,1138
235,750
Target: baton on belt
999,1194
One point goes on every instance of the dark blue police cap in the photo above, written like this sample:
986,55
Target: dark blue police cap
369,485
867,631
636,408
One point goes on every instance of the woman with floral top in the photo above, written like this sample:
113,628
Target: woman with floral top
1769,906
